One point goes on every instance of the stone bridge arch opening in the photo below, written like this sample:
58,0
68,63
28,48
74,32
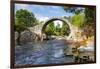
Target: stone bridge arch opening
60,19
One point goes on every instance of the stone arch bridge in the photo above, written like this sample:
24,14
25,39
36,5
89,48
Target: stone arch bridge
39,29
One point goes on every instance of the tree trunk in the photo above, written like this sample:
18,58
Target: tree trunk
18,39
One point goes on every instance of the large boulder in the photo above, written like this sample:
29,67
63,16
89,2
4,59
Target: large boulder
26,36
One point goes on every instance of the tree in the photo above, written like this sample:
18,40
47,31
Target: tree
23,19
90,14
65,29
58,29
86,22
50,28
74,10
89,25
78,20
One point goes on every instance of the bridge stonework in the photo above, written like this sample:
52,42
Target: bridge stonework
39,29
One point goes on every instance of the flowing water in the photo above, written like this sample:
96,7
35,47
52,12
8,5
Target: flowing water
46,52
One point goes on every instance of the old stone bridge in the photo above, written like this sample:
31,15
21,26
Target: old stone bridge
39,30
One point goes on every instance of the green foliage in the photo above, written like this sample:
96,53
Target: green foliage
86,21
90,14
89,25
50,28
57,30
24,19
65,29
78,20
75,10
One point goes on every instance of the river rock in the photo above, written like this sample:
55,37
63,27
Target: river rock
26,36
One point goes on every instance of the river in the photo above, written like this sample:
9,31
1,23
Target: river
38,53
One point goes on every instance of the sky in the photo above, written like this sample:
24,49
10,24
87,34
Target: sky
43,12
